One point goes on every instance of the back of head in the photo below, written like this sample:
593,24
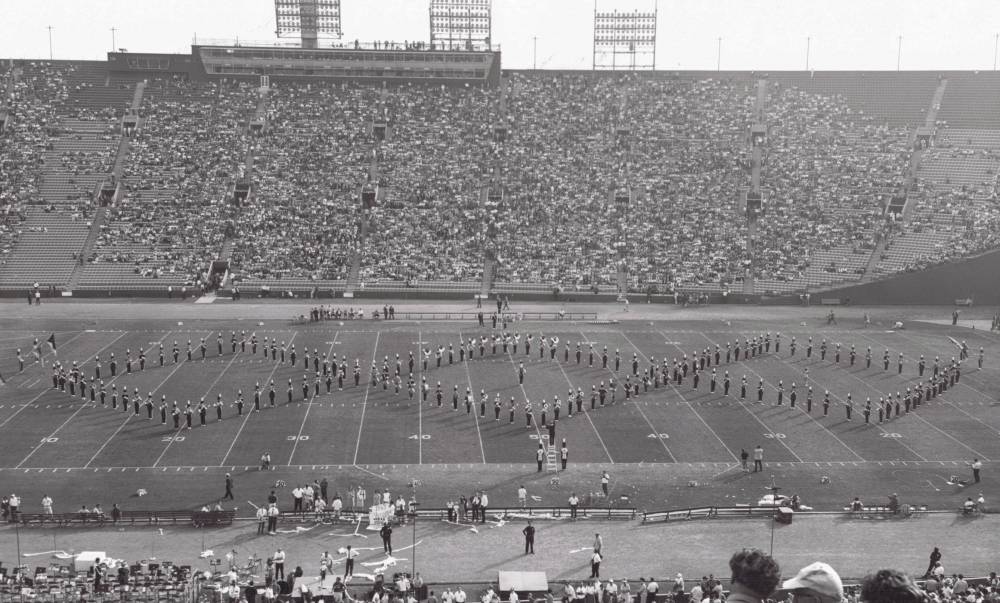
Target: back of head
890,586
755,571
819,580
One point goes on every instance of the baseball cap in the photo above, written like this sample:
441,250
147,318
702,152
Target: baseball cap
819,578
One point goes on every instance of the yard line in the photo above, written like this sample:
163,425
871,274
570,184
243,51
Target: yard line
23,406
917,415
130,415
468,375
836,397
639,408
364,403
44,391
41,359
72,416
524,393
310,403
591,421
967,375
828,430
420,401
691,406
742,404
246,418
170,442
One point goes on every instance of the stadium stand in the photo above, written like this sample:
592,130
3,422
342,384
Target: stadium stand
675,145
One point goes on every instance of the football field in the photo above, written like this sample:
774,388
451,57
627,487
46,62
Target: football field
664,437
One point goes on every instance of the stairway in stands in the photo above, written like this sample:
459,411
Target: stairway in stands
489,273
79,149
916,156
97,223
44,251
354,276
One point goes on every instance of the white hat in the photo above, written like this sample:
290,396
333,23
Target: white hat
819,578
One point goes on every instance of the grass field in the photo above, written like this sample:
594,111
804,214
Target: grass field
653,445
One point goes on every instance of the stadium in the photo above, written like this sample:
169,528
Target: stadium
326,302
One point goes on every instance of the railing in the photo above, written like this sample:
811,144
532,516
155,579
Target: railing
517,316
341,45
442,514
708,513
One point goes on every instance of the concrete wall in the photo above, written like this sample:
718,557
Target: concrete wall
978,278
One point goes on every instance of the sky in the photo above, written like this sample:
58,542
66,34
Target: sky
755,34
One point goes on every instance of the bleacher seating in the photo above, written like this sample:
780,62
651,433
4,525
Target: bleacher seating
48,245
971,100
835,141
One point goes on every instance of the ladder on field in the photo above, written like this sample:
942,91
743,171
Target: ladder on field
551,455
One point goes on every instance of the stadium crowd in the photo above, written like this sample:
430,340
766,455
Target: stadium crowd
302,221
183,161
677,148
431,222
29,101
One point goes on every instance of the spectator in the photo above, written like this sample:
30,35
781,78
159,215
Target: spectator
816,582
754,576
890,586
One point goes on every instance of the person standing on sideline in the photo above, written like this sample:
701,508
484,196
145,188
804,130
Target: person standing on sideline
540,456
934,559
605,481
229,488
386,534
279,564
758,459
598,543
261,520
744,456
529,538
595,562
977,465
349,562
564,453
522,497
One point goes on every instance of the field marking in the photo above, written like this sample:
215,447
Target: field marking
933,426
759,376
591,421
309,404
364,402
836,397
468,376
722,465
688,403
23,406
129,414
72,416
247,418
524,394
173,438
741,403
420,400
41,359
966,385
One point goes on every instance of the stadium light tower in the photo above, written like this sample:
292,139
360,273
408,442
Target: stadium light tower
308,20
630,35
461,24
